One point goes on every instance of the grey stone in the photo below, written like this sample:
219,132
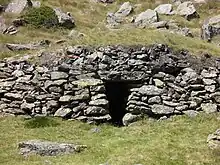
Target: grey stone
163,118
49,83
14,111
30,46
79,108
154,100
3,26
105,1
27,107
98,96
158,83
18,73
197,93
160,24
125,9
171,104
36,4
182,108
209,107
55,89
63,112
13,96
58,75
210,28
162,109
113,21
17,6
94,110
186,9
88,82
148,90
164,9
130,118
99,102
65,19
144,19
66,98
176,88
210,88
52,104
189,74
47,148
191,113
213,140
208,81
81,97
211,73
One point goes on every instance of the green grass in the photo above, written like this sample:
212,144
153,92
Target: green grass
181,141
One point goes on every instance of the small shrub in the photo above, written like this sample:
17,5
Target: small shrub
41,17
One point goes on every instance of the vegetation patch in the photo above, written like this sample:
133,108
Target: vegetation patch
41,17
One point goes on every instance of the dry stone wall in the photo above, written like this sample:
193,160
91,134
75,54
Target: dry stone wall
160,84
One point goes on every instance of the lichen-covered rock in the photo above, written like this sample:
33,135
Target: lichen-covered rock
47,148
95,110
148,90
209,107
146,18
213,140
130,118
17,6
63,112
210,28
164,9
65,19
58,75
124,10
31,46
162,109
187,9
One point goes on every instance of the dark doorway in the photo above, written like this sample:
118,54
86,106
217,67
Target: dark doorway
117,94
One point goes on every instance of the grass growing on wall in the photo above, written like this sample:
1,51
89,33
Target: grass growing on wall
181,141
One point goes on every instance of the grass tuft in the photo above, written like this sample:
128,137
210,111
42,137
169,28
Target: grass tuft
40,122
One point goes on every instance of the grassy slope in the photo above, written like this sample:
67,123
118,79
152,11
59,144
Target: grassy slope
178,142
90,20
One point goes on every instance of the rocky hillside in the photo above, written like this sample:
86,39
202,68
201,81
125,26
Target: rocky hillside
29,26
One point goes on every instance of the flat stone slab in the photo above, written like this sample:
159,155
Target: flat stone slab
47,148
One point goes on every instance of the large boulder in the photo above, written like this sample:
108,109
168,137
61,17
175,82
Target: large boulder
146,18
164,9
210,28
17,6
213,140
125,9
187,10
2,24
65,19
47,148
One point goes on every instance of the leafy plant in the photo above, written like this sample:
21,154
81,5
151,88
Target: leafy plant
41,17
